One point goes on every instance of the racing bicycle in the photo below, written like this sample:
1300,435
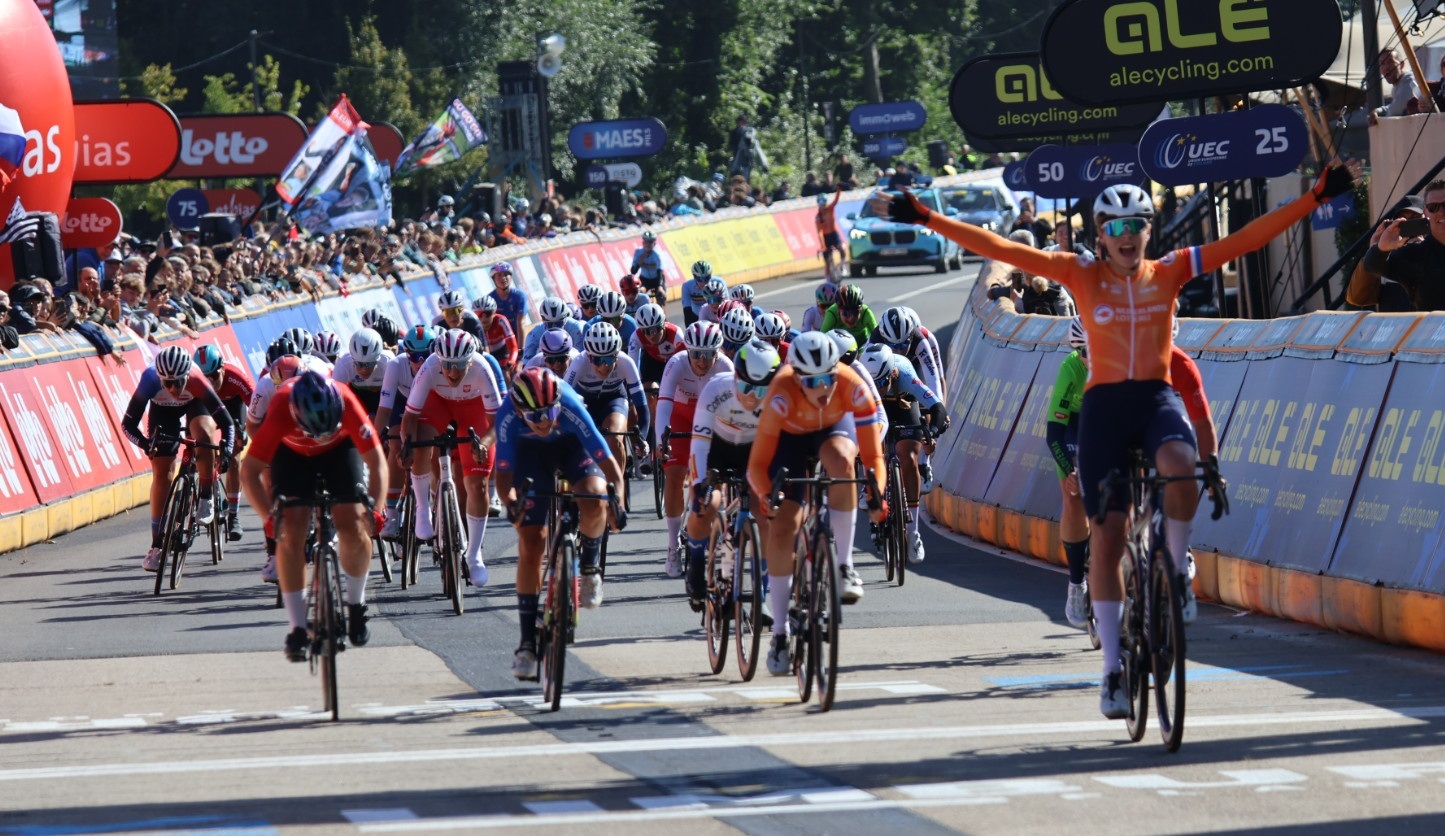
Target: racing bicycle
450,543
179,521
734,578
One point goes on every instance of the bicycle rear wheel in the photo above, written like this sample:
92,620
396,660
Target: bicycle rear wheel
556,620
716,604
1136,657
452,549
827,618
217,528
410,548
747,595
182,532
383,553
801,617
1166,641
898,527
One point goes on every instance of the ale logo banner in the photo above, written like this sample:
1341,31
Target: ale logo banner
1009,95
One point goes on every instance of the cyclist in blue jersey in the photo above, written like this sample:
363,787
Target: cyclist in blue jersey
647,265
694,291
905,399
544,431
511,301
612,309
556,316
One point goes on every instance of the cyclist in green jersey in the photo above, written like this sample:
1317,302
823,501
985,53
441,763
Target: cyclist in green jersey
1063,441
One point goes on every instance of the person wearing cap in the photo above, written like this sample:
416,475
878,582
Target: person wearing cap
28,313
9,337
1414,258
1377,292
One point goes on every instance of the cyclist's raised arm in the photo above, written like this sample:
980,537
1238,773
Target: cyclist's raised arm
905,208
1334,181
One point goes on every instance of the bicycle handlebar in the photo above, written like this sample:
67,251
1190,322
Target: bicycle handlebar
184,441
443,442
775,493
1209,474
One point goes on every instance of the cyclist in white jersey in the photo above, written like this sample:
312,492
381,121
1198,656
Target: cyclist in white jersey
556,353
901,330
416,346
608,380
363,368
826,293
723,427
266,388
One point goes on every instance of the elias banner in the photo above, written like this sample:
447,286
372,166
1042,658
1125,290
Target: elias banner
1056,172
1109,51
1009,95
1266,141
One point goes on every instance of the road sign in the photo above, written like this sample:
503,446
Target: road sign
1265,141
622,138
185,207
886,118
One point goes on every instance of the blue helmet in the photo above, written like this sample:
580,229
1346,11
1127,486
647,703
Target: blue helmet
419,341
315,405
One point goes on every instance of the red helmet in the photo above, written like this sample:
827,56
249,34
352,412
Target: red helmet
628,283
534,389
729,305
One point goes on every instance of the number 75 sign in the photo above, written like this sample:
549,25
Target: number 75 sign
1265,141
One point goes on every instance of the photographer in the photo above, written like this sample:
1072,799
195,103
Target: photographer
1412,253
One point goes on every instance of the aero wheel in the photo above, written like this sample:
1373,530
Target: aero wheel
181,531
803,609
383,554
716,606
1166,638
217,531
170,530
335,631
747,595
826,620
1136,669
658,483
455,554
411,546
899,524
556,625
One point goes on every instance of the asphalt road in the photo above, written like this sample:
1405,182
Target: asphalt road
966,704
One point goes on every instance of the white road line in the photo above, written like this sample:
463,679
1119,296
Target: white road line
922,290
792,286
814,738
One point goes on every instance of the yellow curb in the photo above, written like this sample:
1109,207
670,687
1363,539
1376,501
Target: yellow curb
1409,616
37,525
1352,607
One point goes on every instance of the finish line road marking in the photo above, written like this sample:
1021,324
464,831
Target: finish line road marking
856,737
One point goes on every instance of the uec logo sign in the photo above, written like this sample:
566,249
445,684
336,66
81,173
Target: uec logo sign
1057,172
623,138
1267,141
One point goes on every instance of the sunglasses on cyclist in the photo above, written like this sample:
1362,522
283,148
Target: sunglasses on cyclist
607,362
540,416
650,332
454,311
365,368
456,365
746,388
1437,207
850,311
1124,226
702,354
817,381
173,382
418,356
556,359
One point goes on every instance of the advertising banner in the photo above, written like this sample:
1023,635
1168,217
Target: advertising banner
1025,144
114,385
242,203
1054,171
1291,453
886,118
124,141
1109,51
89,445
1013,175
1003,385
743,245
598,176
1027,480
90,222
216,146
883,147
620,139
1264,141
39,449
800,232
1393,533
16,494
1009,95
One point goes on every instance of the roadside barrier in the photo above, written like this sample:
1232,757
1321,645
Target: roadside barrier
1330,430
65,463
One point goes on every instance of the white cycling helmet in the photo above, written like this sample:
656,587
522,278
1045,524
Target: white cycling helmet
451,299
587,294
556,342
602,340
716,288
845,342
702,336
650,315
365,347
756,363
770,326
894,327
743,293
370,318
737,326
1124,201
1077,339
611,304
554,309
455,345
328,345
173,361
814,352
305,343
877,359
484,304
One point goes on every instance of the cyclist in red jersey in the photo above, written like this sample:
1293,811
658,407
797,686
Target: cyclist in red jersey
234,389
1126,304
318,436
501,342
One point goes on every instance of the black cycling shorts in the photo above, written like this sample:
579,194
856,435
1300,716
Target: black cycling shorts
725,456
172,420
540,461
651,368
798,452
1114,417
340,469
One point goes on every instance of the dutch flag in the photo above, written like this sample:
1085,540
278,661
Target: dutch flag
12,145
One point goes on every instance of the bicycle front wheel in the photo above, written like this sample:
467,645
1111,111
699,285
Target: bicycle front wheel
1136,657
410,548
1166,641
556,621
898,527
801,617
658,483
452,549
716,606
747,594
181,532
170,529
217,529
383,553
827,618
328,625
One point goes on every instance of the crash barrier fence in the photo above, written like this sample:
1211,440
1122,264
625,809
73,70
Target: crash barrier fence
64,461
1331,436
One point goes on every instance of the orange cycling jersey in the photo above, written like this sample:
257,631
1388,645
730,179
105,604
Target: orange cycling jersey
787,409
1127,319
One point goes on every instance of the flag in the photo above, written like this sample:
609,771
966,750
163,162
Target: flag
449,138
12,145
353,190
20,225
328,137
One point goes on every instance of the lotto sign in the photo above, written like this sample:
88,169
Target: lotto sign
1266,141
623,138
237,145
1057,173
89,222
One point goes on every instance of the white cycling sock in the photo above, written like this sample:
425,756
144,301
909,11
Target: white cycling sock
780,592
842,522
421,491
674,525
295,603
912,520
356,589
1109,614
1176,536
476,530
